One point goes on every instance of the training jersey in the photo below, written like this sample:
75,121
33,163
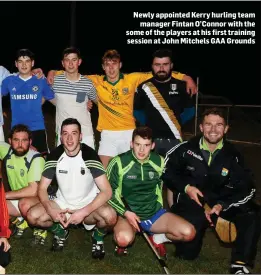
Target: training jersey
71,101
26,100
138,183
21,170
163,103
75,175
3,74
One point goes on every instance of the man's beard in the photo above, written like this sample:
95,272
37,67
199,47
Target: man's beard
20,153
162,77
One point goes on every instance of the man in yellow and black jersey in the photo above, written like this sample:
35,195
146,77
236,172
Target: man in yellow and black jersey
115,104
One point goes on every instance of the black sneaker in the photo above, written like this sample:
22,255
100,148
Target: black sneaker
58,242
97,249
239,269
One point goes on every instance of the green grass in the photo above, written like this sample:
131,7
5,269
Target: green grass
76,257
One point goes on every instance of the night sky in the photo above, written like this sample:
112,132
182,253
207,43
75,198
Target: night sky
44,27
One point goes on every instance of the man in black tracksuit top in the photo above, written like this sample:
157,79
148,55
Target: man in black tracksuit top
210,169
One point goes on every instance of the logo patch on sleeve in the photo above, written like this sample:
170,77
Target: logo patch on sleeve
224,172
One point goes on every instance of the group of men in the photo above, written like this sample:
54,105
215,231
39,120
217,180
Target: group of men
119,188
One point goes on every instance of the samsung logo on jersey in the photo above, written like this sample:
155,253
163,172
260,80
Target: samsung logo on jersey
30,96
194,155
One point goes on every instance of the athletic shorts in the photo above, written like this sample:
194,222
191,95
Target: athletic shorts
146,224
15,204
2,136
40,141
63,205
89,140
113,143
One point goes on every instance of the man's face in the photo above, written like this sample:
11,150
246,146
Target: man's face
71,63
112,68
142,147
213,128
70,138
24,65
20,143
161,68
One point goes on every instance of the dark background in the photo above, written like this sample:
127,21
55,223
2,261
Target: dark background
44,27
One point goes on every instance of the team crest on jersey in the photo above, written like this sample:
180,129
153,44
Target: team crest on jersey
82,170
35,88
173,87
125,91
10,166
21,172
151,175
14,89
224,172
115,95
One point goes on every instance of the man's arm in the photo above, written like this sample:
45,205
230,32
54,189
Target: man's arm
4,73
42,193
174,175
104,195
113,177
28,191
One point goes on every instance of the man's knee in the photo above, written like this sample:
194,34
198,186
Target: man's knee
24,205
108,214
189,233
123,238
33,216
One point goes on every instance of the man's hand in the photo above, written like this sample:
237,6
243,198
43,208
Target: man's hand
193,193
77,216
4,241
38,73
89,105
50,77
58,215
133,219
216,209
190,85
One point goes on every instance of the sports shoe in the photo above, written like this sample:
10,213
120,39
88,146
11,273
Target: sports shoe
19,228
97,249
239,269
121,251
58,242
161,249
39,236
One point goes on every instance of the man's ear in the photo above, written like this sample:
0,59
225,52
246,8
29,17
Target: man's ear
131,144
79,62
62,63
120,65
201,128
153,145
32,63
9,140
16,64
171,66
30,141
226,129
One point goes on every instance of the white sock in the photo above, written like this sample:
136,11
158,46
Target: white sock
160,238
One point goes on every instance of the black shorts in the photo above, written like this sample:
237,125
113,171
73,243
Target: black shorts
39,141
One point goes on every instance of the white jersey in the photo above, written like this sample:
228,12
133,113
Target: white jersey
75,175
71,101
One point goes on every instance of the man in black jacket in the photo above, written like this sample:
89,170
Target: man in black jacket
210,169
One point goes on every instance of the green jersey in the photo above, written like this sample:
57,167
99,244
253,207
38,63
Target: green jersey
138,183
21,170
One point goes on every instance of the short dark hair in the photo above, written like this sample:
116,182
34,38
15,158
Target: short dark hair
111,54
70,121
70,50
20,128
144,132
213,111
24,52
160,53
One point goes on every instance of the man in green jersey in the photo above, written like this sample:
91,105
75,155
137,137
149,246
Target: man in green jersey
135,177
23,168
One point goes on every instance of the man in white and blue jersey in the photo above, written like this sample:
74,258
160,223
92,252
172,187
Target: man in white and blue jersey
26,93
72,92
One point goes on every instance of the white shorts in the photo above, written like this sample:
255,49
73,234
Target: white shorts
15,204
2,136
63,205
113,143
89,140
